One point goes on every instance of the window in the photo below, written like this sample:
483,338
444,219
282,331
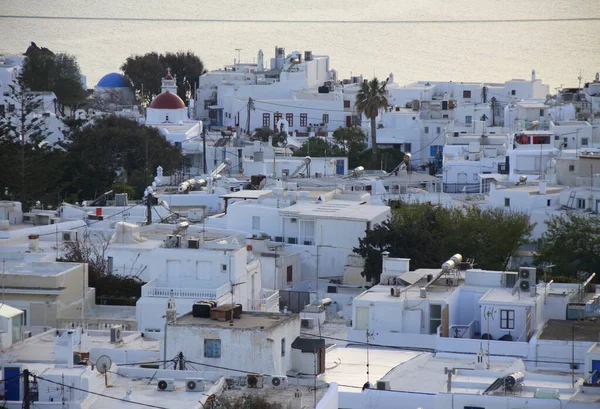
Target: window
571,168
548,202
325,118
223,267
426,129
507,319
581,203
513,92
355,120
290,274
276,117
466,93
255,222
11,107
290,119
212,348
346,103
282,346
303,119
407,147
541,112
292,240
435,317
584,141
445,116
2,109
506,202
266,120
468,119
438,130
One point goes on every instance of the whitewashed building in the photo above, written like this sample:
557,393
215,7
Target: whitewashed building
297,92
256,342
323,226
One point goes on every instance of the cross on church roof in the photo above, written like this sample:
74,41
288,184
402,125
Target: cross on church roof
169,71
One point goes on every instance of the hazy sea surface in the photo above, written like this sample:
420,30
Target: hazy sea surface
460,40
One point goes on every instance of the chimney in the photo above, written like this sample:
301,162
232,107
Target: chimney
69,349
34,243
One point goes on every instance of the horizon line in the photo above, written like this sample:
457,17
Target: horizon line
217,20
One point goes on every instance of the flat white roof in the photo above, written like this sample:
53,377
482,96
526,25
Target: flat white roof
539,105
247,194
425,373
336,209
347,366
145,392
505,296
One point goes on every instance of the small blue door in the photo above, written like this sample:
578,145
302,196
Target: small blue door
596,367
339,167
12,385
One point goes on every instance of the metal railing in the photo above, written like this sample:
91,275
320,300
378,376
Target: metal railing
269,301
151,290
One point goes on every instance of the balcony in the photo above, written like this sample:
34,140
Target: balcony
152,290
269,301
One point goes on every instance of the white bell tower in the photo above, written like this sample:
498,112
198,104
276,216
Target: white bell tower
168,83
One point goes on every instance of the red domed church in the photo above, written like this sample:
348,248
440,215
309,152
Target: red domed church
167,107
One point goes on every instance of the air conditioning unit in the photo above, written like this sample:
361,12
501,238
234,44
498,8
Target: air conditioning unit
254,381
279,382
395,292
193,244
116,334
194,385
69,236
307,323
166,385
26,334
293,220
383,385
526,278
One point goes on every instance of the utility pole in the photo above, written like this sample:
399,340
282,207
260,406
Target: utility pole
149,198
204,150
250,107
26,391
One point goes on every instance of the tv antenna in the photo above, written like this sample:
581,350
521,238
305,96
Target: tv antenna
103,365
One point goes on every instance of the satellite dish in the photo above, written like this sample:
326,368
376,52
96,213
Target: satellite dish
103,364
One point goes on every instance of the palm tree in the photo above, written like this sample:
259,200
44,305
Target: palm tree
370,99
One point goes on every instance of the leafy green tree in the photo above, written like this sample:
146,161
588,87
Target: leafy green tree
352,141
146,72
572,243
29,165
58,73
370,99
429,235
263,134
318,147
389,159
114,145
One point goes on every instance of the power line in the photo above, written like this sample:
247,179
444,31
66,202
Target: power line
416,349
263,21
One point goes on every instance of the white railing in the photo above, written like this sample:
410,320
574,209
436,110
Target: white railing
269,301
151,290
